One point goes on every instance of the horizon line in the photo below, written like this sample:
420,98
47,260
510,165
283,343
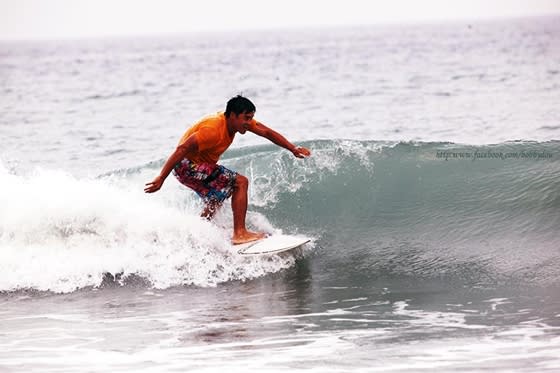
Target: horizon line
287,28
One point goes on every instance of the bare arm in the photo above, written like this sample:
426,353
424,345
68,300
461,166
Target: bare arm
268,133
177,156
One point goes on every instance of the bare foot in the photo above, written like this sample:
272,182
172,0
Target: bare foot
247,237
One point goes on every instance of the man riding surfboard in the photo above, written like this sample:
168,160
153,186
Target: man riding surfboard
195,162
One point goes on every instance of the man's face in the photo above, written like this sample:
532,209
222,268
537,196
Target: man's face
242,121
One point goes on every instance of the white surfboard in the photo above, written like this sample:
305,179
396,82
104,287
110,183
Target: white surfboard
271,245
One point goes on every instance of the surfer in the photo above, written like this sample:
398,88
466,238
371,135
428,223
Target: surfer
195,162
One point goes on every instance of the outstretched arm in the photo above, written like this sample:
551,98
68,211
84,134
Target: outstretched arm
266,132
177,156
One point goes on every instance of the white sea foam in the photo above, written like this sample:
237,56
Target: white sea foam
275,172
60,233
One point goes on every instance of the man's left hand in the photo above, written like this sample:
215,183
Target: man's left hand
301,152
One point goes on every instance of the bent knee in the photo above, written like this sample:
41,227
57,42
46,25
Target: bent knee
241,181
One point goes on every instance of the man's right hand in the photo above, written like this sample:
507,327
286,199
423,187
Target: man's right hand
155,185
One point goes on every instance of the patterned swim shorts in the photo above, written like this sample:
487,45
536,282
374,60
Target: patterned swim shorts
212,182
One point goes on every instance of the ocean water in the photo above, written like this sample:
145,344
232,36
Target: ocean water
431,198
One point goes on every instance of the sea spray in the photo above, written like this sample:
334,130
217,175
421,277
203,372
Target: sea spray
60,233
396,206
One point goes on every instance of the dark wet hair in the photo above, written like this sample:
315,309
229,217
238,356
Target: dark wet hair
239,105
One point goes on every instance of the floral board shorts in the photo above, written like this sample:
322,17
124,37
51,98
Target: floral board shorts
212,182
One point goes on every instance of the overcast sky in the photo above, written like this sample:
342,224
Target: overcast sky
32,19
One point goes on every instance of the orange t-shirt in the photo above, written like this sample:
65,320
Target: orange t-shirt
212,137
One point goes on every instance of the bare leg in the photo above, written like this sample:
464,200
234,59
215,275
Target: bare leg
239,206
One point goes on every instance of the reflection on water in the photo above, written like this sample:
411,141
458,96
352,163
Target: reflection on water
305,316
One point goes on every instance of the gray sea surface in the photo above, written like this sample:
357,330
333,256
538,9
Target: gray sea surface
431,200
